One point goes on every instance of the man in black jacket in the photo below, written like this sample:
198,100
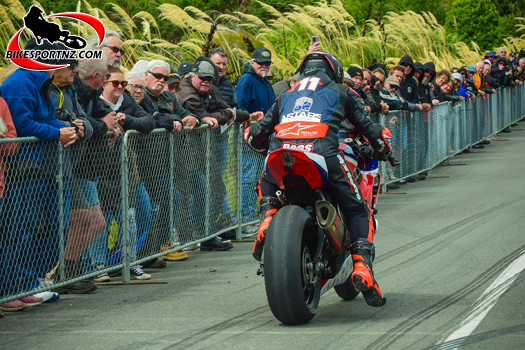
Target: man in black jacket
408,87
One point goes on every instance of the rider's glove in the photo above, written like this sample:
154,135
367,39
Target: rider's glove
382,144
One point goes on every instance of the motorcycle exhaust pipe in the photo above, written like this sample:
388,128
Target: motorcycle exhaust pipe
332,225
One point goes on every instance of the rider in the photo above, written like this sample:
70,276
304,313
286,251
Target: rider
312,113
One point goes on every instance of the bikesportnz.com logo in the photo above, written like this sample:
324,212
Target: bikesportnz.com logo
42,30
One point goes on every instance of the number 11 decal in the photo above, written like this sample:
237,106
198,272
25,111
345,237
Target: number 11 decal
312,83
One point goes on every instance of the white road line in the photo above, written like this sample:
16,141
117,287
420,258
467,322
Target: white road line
484,304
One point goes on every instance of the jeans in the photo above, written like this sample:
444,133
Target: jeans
98,249
222,150
30,226
252,167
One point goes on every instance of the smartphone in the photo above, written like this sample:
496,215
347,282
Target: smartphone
315,39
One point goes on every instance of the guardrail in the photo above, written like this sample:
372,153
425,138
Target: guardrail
111,203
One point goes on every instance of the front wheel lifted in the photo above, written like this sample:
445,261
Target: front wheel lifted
292,286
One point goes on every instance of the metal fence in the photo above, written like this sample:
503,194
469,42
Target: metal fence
113,202
423,140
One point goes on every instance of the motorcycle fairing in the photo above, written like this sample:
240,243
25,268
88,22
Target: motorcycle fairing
283,161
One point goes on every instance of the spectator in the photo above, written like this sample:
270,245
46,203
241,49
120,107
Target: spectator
356,74
170,115
184,69
502,52
380,75
398,72
111,45
6,150
408,86
490,82
130,116
173,83
284,85
502,73
460,88
220,58
254,93
70,113
389,93
372,96
25,242
136,85
491,56
429,73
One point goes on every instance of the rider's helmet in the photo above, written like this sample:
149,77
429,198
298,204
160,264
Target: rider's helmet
322,61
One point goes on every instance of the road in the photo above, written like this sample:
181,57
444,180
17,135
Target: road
449,259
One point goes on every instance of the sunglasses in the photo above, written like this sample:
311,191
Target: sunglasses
73,65
159,76
174,87
116,49
116,83
501,63
267,64
136,87
395,88
208,79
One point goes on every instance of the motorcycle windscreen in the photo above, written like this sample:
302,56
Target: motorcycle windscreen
311,166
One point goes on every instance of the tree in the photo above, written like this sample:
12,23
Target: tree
473,20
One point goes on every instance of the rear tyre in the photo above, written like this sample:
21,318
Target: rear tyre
292,290
346,291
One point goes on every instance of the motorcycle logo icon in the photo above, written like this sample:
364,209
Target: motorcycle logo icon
42,30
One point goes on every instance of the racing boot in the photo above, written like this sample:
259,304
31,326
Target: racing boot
363,277
268,206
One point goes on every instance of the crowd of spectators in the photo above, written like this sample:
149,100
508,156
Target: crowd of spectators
89,105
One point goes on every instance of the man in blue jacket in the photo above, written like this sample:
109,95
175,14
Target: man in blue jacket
32,190
254,93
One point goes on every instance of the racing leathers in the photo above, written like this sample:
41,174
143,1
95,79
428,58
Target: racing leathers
308,117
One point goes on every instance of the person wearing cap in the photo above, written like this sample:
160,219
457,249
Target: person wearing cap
284,85
390,94
356,74
174,83
254,93
201,97
31,188
460,87
184,69
491,56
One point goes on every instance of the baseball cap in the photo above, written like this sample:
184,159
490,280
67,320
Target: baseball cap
184,68
457,76
491,54
355,71
173,77
471,68
204,69
262,55
392,80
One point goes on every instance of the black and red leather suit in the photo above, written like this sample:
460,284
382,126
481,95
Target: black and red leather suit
308,117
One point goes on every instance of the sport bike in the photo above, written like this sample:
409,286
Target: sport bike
303,254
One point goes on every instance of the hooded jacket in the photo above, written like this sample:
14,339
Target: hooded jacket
409,87
424,87
228,92
253,92
26,94
501,75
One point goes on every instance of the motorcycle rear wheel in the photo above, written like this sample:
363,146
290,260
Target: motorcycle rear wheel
290,246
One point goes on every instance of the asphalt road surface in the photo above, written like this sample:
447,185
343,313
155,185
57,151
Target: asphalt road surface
450,255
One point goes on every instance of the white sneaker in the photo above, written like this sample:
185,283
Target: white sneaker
137,273
48,296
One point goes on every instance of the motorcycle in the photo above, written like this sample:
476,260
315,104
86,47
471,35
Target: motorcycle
303,255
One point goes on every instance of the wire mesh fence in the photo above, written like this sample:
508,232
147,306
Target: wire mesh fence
111,203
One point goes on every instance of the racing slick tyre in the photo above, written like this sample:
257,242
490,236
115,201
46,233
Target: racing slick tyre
292,287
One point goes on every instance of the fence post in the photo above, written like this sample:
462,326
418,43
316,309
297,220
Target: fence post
207,175
171,184
124,215
238,139
60,180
